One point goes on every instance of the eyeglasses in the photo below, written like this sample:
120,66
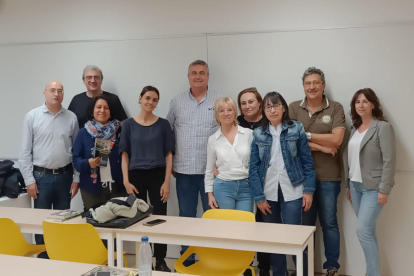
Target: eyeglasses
268,108
53,91
229,111
89,78
309,83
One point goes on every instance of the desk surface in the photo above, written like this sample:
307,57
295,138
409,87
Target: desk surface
14,265
34,217
224,230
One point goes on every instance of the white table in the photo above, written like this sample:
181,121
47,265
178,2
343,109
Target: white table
13,265
30,221
23,201
226,234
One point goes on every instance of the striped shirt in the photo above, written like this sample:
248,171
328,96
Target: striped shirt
193,123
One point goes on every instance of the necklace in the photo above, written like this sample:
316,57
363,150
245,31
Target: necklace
252,125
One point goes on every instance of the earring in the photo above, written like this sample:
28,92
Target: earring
155,110
139,104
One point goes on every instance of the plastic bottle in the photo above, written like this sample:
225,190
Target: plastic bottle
145,258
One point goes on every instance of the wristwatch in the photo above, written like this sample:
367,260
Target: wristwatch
309,136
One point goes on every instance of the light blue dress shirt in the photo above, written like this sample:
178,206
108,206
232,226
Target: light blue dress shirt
47,141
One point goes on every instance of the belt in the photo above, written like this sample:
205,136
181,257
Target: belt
66,168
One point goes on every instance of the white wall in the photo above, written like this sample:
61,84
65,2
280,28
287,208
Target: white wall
267,44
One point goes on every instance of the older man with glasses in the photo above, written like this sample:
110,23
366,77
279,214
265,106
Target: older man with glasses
92,78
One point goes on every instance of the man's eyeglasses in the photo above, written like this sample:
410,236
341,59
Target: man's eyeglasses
89,78
309,83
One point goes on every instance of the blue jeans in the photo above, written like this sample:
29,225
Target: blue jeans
189,186
233,194
324,204
287,213
54,191
365,203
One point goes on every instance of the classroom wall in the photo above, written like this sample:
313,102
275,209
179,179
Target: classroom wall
267,44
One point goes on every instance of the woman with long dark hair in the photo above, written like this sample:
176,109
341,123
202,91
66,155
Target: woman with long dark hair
281,173
369,165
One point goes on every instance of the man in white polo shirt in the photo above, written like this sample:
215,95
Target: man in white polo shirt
46,157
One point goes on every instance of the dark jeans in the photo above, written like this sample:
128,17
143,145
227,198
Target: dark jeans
188,188
262,258
324,204
93,201
54,191
148,183
287,213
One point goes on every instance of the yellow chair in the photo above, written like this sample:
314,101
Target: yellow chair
75,243
12,241
217,262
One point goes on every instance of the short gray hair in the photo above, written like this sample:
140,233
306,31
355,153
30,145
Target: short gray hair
311,71
199,62
90,68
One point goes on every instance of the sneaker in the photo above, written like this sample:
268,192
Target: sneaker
160,265
332,272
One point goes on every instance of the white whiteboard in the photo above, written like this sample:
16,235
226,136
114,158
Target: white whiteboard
127,67
380,58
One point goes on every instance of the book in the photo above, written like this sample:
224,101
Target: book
102,149
63,215
113,271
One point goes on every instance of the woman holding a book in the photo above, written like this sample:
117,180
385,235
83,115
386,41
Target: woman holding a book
147,146
95,156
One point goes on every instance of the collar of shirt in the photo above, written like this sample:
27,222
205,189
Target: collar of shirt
46,110
275,131
193,98
325,105
219,133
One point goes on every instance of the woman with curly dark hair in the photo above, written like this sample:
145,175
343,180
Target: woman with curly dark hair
369,166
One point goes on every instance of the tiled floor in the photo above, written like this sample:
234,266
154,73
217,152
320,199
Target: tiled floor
170,264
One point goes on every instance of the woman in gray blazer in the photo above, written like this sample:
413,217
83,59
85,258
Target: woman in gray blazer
369,166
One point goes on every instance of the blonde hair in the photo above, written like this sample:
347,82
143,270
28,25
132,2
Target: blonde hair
219,103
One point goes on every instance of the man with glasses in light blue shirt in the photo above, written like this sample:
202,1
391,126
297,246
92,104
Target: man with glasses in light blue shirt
46,157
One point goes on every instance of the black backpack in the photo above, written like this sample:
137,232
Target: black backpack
11,180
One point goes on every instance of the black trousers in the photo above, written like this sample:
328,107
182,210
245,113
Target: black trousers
262,258
148,183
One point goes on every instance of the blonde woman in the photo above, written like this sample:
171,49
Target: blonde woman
229,150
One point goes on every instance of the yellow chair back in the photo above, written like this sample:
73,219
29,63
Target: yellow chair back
217,262
74,243
12,241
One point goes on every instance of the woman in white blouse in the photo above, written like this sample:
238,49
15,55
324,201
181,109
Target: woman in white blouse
229,150
369,167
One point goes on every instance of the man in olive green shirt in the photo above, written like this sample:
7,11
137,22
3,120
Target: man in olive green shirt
324,123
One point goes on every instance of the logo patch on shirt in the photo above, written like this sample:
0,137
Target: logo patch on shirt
326,119
211,108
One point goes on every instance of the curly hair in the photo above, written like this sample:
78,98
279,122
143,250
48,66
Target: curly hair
372,98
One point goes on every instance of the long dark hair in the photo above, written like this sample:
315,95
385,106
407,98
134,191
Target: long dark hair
372,98
91,107
275,98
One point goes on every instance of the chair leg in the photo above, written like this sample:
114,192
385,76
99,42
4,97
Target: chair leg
252,270
125,261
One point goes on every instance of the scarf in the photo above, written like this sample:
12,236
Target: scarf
106,132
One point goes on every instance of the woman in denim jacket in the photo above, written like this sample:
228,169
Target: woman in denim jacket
281,173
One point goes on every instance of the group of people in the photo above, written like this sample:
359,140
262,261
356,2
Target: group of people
285,159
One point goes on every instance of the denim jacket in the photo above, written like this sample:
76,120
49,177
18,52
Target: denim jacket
296,155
